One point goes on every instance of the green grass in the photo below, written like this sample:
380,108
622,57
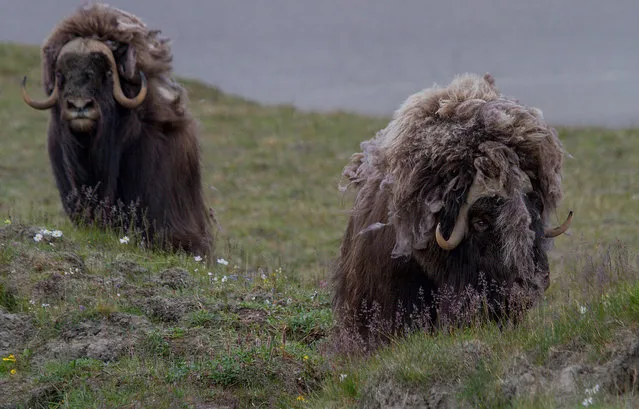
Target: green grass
271,174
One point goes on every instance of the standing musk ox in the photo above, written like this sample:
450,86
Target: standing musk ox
122,143
453,197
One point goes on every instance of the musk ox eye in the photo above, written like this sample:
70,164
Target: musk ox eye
480,225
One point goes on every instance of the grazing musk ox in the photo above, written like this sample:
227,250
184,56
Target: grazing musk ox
120,135
455,194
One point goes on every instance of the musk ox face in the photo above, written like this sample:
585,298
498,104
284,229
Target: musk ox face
80,77
87,85
492,245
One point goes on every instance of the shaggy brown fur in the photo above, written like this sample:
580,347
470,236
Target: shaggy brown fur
416,173
148,156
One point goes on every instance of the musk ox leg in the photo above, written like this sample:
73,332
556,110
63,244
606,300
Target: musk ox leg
175,214
69,196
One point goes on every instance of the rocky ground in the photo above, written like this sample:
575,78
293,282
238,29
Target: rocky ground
65,306
68,314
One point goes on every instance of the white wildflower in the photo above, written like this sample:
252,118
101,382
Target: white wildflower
263,276
37,237
210,274
289,300
582,309
124,240
224,279
56,233
198,258
267,302
592,390
222,261
44,305
118,294
214,278
342,376
31,302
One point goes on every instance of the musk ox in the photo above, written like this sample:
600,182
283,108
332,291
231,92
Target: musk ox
122,144
453,198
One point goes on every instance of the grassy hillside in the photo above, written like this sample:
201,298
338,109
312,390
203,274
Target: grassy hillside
89,321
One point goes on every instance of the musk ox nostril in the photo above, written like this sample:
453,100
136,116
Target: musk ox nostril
79,104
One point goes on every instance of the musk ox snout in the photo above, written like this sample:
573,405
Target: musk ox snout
81,113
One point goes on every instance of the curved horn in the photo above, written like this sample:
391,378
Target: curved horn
47,103
455,237
119,95
556,231
475,192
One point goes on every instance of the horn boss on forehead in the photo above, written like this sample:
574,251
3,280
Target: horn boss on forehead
82,46
455,193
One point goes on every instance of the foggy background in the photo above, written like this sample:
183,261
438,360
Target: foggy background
577,60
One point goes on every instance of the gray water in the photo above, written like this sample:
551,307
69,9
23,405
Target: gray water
577,60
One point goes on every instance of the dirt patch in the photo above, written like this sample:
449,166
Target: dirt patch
568,376
38,273
105,339
21,236
389,394
163,309
176,278
16,392
248,316
129,269
128,279
34,260
51,288
194,342
224,400
15,330
622,373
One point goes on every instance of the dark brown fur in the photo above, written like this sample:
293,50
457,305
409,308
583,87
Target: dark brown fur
416,173
147,157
